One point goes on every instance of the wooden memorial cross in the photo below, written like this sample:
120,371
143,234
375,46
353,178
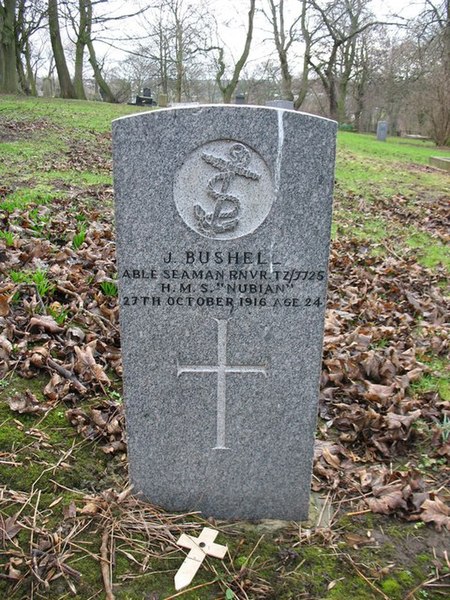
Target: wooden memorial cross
200,548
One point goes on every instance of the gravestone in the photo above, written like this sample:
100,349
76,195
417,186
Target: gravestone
223,244
286,104
382,131
239,98
47,87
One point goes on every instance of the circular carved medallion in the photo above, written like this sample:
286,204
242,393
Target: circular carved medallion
224,190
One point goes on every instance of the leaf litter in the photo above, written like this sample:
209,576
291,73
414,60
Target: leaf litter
387,318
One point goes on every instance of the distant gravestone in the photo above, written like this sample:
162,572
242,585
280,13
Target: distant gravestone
162,100
239,98
382,131
285,104
47,87
147,92
223,245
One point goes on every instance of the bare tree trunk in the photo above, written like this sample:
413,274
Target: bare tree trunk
282,45
79,52
227,90
179,61
65,84
30,75
23,80
307,39
107,94
8,56
18,28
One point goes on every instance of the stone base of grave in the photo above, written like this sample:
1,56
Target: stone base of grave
320,515
440,162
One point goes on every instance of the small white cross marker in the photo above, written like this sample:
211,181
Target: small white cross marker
200,548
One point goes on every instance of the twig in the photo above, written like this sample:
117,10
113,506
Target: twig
67,488
64,290
424,584
34,521
67,375
39,297
105,566
191,589
357,512
361,574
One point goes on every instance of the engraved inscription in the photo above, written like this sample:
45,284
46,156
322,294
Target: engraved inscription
221,369
224,190
225,216
221,279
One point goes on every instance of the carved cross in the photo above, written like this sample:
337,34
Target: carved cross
200,548
221,369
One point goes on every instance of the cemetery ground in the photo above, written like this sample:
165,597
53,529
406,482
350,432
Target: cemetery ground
69,525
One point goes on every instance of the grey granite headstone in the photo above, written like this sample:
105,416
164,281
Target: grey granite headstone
223,241
239,98
287,104
382,131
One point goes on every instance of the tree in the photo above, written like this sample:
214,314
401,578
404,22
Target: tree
433,27
29,18
335,47
67,89
175,43
105,90
81,30
283,40
8,56
228,87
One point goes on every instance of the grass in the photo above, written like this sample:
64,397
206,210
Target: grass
371,169
38,172
79,237
431,252
71,114
23,197
395,149
39,278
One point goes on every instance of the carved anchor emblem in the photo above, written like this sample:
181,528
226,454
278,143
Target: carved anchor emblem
227,207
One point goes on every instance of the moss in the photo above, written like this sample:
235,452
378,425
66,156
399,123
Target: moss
354,588
391,587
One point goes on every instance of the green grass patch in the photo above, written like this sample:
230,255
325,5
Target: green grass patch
8,236
23,197
79,237
394,149
372,169
74,177
433,383
39,278
74,114
431,252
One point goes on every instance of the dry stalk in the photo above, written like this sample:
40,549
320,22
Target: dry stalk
429,583
105,566
361,574
191,589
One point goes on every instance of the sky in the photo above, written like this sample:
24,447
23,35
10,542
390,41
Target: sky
231,16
